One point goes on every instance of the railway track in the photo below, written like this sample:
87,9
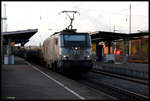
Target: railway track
136,80
113,89
117,92
116,89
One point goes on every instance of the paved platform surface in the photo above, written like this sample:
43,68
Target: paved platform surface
22,81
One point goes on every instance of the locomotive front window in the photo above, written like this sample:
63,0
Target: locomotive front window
74,37
76,40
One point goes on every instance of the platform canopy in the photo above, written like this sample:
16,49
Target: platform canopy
99,36
21,36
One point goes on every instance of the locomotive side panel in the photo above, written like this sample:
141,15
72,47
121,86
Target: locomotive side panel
51,50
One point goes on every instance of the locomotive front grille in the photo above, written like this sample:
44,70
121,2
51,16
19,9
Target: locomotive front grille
76,53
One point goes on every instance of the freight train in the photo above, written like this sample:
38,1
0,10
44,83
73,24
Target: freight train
68,51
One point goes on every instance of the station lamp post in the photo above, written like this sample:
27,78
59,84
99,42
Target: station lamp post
130,41
2,19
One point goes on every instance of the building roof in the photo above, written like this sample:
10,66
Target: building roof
21,36
99,36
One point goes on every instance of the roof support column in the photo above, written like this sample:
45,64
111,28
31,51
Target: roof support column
97,49
22,44
9,51
125,51
109,44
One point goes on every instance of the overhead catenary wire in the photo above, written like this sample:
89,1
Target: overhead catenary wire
109,13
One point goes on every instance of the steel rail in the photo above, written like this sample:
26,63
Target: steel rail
118,89
121,77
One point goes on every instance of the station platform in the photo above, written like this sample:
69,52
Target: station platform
26,82
132,69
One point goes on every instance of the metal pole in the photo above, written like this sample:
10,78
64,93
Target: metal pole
2,41
130,42
3,20
110,22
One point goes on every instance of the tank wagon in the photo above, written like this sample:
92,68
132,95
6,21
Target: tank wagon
68,51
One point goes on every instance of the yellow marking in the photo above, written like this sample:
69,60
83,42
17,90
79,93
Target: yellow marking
11,97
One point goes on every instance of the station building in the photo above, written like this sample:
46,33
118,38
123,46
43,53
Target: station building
117,45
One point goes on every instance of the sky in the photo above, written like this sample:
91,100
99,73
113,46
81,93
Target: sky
94,16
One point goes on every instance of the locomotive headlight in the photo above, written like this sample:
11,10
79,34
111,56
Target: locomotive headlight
76,48
65,57
88,56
